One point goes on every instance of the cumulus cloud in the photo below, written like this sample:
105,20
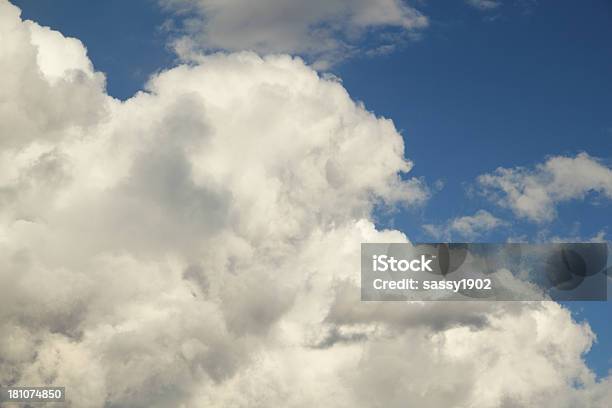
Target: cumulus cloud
467,226
52,76
534,193
326,31
198,245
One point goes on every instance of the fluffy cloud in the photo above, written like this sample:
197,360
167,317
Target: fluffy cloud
533,193
326,30
467,226
52,76
198,245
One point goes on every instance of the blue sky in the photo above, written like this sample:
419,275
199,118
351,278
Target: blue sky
474,95
481,89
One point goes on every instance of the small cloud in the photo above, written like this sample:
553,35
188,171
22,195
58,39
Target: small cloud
484,4
534,193
468,226
438,185
323,32
600,236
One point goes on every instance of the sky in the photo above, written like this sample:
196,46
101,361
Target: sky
503,108
516,84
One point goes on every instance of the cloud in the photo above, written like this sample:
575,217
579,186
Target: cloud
534,193
325,31
484,4
468,226
44,68
198,245
600,236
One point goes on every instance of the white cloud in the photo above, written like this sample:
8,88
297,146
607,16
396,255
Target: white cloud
468,226
471,225
484,4
533,194
52,77
198,245
600,236
325,30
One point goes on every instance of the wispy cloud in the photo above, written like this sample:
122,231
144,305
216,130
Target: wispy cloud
484,4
